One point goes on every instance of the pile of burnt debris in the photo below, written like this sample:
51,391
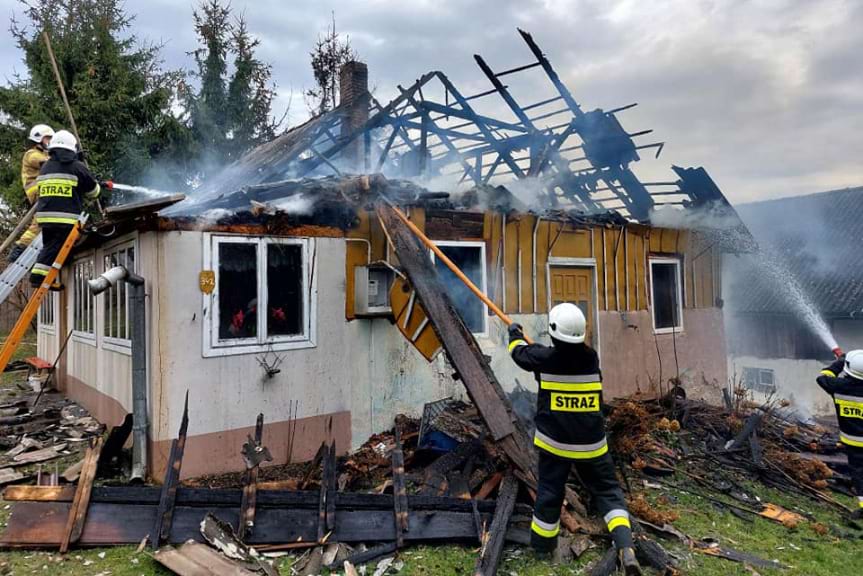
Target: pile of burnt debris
441,479
720,454
41,432
444,480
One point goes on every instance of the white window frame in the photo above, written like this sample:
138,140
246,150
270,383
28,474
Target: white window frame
48,301
212,345
679,267
122,345
483,265
79,289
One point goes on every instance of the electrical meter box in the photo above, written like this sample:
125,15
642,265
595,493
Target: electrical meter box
372,290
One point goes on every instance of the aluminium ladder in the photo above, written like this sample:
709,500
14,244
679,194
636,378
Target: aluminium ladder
32,307
15,271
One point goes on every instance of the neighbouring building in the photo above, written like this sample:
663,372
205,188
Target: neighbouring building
270,289
811,261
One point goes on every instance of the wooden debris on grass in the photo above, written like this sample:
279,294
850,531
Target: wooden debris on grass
42,455
81,501
9,475
195,559
25,445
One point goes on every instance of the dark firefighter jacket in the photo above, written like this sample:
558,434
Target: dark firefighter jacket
847,395
569,421
64,182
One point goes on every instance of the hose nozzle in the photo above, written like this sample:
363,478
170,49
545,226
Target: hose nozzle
838,352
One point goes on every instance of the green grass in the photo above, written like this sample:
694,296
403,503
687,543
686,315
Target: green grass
26,349
804,551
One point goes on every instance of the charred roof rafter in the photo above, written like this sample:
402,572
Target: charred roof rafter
580,159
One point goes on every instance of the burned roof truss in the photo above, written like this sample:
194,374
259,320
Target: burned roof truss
580,160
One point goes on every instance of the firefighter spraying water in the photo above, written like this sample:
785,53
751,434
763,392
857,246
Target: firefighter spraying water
843,380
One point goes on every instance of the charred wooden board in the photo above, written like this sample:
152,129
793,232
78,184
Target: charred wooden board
459,343
490,556
77,516
142,208
215,498
461,347
168,496
400,498
41,524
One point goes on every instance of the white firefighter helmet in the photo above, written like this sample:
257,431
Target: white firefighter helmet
65,140
566,323
854,364
39,131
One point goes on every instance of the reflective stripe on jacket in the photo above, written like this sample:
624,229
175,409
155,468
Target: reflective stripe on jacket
847,393
64,183
569,421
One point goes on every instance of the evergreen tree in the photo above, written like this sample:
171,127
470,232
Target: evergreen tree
250,95
232,109
120,96
208,107
330,53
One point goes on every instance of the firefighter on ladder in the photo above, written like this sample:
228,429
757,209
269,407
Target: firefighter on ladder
31,163
843,380
64,182
570,430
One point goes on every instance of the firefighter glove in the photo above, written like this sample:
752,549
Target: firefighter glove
516,332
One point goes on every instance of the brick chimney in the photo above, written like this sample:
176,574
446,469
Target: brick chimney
354,102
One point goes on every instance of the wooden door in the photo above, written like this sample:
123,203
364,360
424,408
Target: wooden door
575,284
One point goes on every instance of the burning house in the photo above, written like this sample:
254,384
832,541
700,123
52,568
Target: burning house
277,290
789,305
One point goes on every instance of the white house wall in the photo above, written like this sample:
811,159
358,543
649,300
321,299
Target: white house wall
93,372
794,380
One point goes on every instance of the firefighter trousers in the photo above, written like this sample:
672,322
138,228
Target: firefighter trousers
855,463
33,230
599,477
53,237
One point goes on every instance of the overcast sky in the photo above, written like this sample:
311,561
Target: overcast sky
767,95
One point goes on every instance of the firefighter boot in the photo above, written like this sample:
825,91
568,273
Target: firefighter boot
628,563
16,252
857,515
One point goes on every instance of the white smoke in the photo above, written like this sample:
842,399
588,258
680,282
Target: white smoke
299,204
213,215
714,216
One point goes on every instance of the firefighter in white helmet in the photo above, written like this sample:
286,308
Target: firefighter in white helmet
570,430
843,380
64,184
32,161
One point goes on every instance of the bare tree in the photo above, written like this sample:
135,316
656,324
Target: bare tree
330,53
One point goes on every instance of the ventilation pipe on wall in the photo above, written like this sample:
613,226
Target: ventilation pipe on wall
139,360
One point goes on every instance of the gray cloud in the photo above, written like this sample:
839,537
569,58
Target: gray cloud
765,95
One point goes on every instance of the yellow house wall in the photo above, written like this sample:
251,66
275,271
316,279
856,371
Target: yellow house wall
621,256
